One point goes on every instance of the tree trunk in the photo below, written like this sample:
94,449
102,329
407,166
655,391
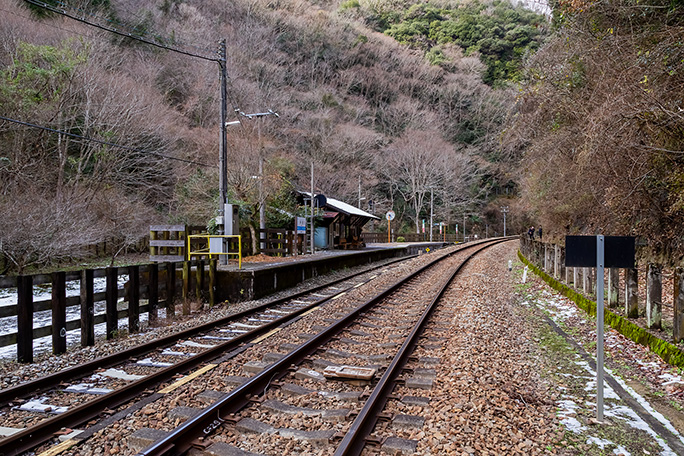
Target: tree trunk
252,231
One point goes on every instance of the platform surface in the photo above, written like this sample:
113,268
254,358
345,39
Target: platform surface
323,254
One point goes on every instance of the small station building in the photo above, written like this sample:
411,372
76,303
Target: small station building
341,224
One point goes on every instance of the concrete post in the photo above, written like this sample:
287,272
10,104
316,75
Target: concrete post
613,287
678,306
631,293
654,296
546,258
575,277
556,261
585,281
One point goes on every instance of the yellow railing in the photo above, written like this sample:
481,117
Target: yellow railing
205,251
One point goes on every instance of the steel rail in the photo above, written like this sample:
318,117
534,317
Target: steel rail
45,430
48,382
354,440
180,440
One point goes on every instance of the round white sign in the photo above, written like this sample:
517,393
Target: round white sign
390,215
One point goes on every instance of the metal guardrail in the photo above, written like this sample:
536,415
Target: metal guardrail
207,250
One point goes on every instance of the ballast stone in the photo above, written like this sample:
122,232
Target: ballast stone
221,449
183,413
142,438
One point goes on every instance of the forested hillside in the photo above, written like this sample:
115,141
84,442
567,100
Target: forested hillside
600,124
130,130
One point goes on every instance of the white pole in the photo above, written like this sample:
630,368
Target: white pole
313,248
262,207
599,326
431,204
359,191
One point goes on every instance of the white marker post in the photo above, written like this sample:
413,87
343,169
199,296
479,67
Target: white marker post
600,249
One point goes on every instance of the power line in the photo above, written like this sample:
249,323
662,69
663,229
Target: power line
138,34
116,31
106,143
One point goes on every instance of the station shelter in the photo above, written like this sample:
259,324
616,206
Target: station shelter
341,224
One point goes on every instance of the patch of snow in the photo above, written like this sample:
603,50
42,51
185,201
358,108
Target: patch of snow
601,443
620,450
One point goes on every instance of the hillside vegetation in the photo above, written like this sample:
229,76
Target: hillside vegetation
600,124
401,120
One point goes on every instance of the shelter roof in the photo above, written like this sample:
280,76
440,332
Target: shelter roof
341,206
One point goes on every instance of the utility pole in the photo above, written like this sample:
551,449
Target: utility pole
432,199
223,148
504,209
313,247
464,227
262,206
359,191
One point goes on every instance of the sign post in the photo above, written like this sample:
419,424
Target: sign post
389,216
599,325
599,252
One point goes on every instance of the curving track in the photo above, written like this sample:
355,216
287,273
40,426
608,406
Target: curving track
388,326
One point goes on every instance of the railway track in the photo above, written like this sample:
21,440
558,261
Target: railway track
93,390
344,374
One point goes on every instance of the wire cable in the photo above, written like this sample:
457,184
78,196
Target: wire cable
106,143
116,31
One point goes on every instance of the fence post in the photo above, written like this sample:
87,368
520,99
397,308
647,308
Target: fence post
111,299
631,293
59,340
678,306
186,287
654,296
212,282
556,261
170,290
199,280
547,258
87,309
133,299
153,294
585,281
575,277
25,319
613,287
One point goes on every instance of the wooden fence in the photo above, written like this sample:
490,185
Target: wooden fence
155,283
378,238
551,259
282,242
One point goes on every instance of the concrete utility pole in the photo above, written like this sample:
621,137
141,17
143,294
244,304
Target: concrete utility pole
432,200
223,144
223,150
262,206
313,247
359,191
464,227
504,209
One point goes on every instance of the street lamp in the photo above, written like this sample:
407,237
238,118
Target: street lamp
223,177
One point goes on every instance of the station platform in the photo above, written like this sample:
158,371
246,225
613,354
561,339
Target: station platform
258,279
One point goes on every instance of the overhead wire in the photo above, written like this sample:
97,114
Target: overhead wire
106,143
116,31
136,29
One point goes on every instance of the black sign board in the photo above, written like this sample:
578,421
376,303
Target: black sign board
580,251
